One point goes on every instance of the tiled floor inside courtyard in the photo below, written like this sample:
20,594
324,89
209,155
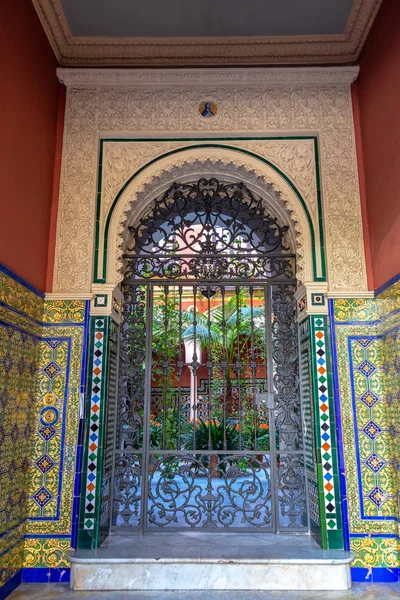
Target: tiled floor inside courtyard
62,592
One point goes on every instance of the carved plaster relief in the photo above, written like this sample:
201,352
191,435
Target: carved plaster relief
121,160
304,102
227,164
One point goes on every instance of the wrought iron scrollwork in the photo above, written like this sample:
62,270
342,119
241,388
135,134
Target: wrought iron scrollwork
132,361
128,490
291,491
129,424
208,217
285,355
208,230
221,326
210,268
210,491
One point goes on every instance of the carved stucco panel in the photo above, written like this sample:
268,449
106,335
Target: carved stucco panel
342,209
295,158
292,110
277,194
75,223
122,159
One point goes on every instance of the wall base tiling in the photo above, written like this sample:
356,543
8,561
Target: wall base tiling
366,352
42,575
377,575
42,359
10,585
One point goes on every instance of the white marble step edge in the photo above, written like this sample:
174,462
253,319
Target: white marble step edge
210,574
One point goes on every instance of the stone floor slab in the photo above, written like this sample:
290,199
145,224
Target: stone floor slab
62,592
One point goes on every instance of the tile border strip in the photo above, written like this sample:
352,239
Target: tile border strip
318,340
339,431
95,415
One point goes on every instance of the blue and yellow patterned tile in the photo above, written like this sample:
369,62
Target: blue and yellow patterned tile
355,309
375,552
362,383
64,311
18,297
46,553
11,563
34,376
62,422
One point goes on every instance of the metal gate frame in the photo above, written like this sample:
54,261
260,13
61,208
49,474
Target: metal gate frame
146,451
236,243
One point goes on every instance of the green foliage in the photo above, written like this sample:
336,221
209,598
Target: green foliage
155,435
165,334
227,332
210,436
230,329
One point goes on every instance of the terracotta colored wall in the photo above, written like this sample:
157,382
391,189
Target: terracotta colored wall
378,89
28,116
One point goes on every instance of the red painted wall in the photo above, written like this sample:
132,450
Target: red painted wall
28,116
378,90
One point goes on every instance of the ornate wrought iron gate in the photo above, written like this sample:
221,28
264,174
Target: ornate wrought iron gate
208,431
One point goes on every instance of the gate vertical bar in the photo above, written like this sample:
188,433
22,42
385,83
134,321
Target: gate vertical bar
239,363
271,411
115,430
146,411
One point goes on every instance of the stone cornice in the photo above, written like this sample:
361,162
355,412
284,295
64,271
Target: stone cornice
206,51
263,77
68,296
350,294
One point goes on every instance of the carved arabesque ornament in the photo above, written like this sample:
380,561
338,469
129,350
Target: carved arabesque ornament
226,165
122,159
149,110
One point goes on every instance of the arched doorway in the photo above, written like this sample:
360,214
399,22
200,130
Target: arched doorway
207,431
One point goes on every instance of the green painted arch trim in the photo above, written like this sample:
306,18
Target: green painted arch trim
227,147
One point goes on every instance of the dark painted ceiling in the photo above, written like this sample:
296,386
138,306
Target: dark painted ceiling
187,18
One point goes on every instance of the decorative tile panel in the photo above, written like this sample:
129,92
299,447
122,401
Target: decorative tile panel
42,368
56,427
367,342
111,407
48,451
324,426
378,485
355,309
20,313
97,379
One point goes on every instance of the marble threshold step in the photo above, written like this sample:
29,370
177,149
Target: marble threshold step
198,561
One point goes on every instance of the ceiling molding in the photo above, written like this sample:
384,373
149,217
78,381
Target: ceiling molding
302,76
206,51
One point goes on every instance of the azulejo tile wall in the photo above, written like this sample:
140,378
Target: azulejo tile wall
19,345
42,354
367,373
96,418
